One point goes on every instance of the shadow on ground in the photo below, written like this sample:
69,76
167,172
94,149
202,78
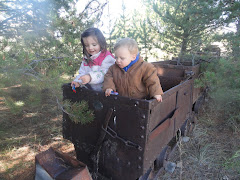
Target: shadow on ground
29,124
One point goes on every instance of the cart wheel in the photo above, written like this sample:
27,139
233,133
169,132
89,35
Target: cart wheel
146,175
191,124
162,158
184,128
198,104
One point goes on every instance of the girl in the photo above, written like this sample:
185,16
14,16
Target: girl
96,59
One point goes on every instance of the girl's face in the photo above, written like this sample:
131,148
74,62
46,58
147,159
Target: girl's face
91,44
123,56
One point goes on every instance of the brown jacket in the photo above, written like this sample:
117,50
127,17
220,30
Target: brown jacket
138,82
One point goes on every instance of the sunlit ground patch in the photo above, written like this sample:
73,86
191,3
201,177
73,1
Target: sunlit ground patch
19,103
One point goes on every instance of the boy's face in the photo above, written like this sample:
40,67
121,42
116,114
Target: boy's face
123,56
91,44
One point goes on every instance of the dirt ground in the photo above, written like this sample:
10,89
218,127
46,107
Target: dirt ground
204,156
35,129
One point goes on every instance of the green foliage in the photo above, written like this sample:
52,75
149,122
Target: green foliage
183,25
40,48
35,30
122,26
15,107
223,79
25,98
79,112
233,162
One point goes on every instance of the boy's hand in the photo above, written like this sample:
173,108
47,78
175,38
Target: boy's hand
108,92
75,83
158,97
85,79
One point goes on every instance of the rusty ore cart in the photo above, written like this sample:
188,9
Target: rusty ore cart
131,137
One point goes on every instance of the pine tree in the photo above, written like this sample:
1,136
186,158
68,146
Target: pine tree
231,15
122,26
40,41
183,23
143,34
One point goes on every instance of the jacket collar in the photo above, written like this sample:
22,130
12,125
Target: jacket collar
131,63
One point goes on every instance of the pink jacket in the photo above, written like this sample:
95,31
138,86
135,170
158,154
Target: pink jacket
102,61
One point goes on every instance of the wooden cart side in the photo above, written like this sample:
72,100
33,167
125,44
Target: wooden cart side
166,119
184,70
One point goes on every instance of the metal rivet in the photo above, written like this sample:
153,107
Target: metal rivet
139,167
136,103
142,127
128,163
140,158
96,94
115,97
143,116
117,159
142,136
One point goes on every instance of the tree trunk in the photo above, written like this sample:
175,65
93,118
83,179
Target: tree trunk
183,49
236,43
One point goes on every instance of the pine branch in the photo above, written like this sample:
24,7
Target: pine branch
49,59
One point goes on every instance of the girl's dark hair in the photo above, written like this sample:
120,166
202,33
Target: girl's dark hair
101,40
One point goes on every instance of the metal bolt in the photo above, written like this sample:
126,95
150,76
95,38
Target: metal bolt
136,103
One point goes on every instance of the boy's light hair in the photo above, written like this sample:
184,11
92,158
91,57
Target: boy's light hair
131,44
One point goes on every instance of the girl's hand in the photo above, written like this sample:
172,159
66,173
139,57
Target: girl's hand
108,92
85,79
158,97
75,83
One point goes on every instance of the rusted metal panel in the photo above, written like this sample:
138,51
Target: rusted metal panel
127,151
168,82
168,69
122,152
197,93
163,125
56,165
138,130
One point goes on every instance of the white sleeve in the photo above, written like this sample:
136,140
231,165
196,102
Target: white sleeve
98,76
81,71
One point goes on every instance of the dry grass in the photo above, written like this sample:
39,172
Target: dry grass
203,157
26,132
35,129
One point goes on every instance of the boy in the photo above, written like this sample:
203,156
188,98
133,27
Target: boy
131,76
